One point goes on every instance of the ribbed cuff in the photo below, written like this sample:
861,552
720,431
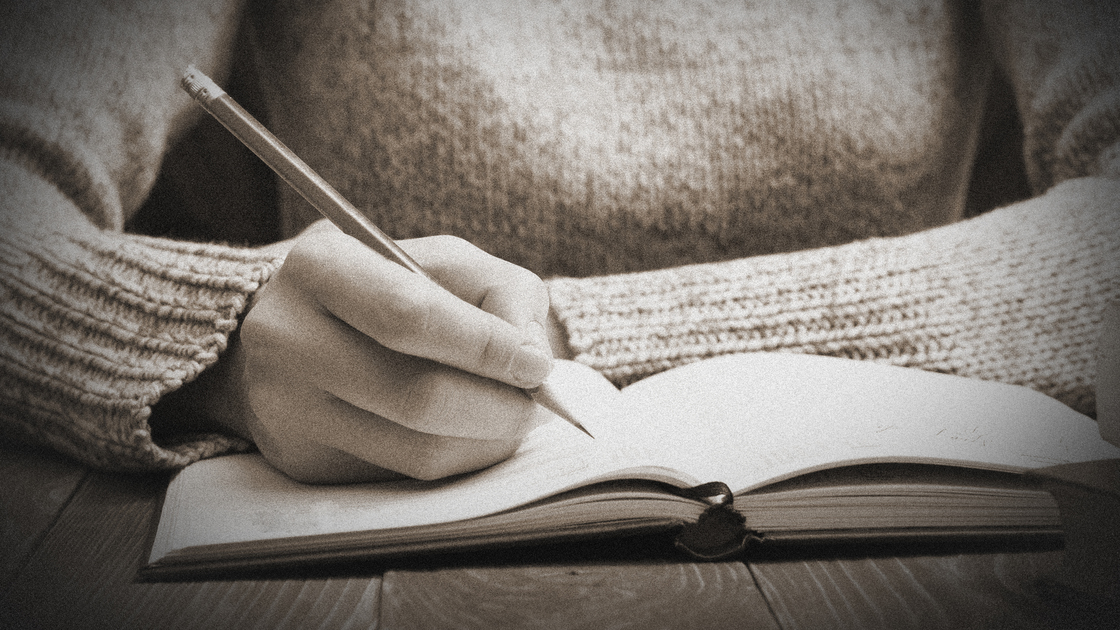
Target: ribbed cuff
1015,295
96,326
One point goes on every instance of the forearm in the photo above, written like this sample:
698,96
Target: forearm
1015,295
98,325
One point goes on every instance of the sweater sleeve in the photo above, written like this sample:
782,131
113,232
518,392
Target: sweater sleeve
96,324
1015,295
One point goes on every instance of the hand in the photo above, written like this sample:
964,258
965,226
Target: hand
558,337
354,368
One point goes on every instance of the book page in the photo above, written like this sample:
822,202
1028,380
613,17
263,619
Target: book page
242,498
746,420
751,419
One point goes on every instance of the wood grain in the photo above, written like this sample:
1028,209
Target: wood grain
83,575
35,484
645,595
968,590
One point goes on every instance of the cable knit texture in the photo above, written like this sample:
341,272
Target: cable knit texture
692,178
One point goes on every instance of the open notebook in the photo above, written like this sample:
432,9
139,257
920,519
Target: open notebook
811,448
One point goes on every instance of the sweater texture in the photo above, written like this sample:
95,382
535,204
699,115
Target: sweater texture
691,179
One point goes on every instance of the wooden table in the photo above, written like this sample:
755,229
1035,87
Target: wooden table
73,540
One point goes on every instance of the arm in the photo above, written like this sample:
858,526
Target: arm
1015,295
97,324
344,369
351,367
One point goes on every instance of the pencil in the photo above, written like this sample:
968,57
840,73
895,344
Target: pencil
320,194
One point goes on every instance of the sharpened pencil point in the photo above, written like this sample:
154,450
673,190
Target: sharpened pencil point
544,397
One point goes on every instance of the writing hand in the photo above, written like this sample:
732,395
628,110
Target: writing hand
355,368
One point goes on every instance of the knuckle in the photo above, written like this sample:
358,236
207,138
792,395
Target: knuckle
455,246
529,288
314,251
302,260
496,353
527,278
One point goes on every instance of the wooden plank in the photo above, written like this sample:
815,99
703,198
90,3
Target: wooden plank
34,486
967,590
83,575
593,595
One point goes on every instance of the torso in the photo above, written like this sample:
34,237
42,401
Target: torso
578,137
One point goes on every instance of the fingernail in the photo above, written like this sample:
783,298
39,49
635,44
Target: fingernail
530,365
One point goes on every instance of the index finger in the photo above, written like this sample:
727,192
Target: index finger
513,293
410,314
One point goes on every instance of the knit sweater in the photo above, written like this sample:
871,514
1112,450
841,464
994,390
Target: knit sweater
691,179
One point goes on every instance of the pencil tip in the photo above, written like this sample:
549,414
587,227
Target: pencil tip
579,426
544,397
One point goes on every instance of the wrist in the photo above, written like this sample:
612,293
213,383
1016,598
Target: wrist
212,403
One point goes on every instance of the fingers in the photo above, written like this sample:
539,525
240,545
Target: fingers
420,394
357,445
320,464
513,293
357,368
416,454
491,326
